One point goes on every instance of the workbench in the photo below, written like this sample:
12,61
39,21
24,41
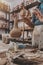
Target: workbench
20,58
38,60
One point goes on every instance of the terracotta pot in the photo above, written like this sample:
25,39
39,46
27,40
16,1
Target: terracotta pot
15,32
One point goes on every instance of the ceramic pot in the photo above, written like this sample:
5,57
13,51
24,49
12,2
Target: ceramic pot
15,32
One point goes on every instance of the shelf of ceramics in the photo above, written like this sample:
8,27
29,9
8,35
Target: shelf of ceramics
3,25
4,7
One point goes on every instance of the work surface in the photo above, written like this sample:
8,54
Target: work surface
26,56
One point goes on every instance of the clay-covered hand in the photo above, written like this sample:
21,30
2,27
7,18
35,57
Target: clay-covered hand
38,14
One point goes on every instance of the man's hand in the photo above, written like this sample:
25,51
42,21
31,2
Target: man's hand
38,14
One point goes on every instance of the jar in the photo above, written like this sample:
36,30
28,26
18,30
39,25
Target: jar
15,32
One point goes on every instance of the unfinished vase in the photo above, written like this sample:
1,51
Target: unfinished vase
15,32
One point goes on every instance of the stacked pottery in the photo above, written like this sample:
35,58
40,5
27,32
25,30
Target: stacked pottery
15,32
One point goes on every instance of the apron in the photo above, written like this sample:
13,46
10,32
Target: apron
37,36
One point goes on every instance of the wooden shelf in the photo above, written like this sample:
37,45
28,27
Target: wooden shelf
4,28
26,29
27,7
5,11
11,21
3,19
20,41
